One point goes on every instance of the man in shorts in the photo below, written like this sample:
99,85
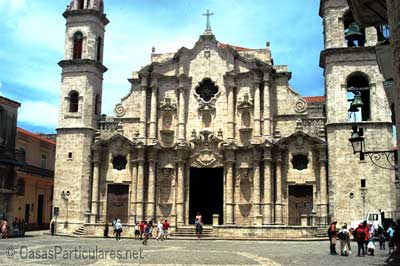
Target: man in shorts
165,228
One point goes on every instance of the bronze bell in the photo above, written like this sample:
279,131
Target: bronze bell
354,34
356,103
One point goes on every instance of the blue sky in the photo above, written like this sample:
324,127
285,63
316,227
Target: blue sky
32,42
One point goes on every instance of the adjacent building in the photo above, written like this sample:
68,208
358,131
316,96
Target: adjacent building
33,197
10,158
217,129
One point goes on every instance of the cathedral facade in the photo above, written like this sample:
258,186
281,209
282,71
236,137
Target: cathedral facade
217,129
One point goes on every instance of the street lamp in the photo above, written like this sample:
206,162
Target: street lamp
358,142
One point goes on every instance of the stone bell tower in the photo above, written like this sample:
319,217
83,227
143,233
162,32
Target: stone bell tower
80,109
350,68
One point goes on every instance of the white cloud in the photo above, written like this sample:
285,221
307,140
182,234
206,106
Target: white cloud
39,114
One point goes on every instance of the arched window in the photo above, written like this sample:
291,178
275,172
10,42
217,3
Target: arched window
97,105
78,45
81,4
358,85
99,46
73,101
354,34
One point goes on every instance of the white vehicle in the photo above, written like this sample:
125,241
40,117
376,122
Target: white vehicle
375,218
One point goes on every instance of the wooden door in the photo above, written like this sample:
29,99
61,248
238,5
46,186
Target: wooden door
117,202
300,202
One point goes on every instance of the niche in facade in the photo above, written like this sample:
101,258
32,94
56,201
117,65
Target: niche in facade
119,162
300,161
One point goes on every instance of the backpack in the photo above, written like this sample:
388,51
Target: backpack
342,235
329,231
361,236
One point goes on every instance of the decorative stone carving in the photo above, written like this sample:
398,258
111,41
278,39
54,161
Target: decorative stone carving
168,104
299,144
245,102
314,127
300,106
119,110
206,149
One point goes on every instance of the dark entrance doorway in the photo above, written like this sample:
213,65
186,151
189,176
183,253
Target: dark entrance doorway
206,193
117,202
40,210
27,211
300,202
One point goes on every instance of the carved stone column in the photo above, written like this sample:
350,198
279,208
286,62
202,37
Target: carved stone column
256,185
257,111
95,190
153,111
229,190
323,182
132,206
151,192
267,204
231,113
278,199
180,191
267,111
143,110
181,114
140,187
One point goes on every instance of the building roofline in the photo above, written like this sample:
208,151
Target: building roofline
2,98
33,135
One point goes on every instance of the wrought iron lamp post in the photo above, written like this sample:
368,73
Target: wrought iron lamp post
358,142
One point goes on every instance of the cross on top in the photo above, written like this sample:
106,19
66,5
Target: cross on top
208,25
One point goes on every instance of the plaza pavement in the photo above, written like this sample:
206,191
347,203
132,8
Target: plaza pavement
42,249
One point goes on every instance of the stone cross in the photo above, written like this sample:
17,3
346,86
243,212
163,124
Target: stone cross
208,25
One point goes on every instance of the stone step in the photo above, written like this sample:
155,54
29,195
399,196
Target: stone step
79,231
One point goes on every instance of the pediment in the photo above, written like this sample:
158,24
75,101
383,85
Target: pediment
300,136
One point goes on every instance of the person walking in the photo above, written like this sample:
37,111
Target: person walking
118,230
137,232
4,228
390,233
165,229
381,237
147,232
332,237
141,229
106,230
343,236
160,230
360,237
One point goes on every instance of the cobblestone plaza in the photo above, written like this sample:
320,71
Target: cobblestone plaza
18,251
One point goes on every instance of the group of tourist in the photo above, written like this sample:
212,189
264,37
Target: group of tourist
142,230
365,235
18,228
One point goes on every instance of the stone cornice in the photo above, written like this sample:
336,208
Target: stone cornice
76,128
345,51
90,12
360,124
83,62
